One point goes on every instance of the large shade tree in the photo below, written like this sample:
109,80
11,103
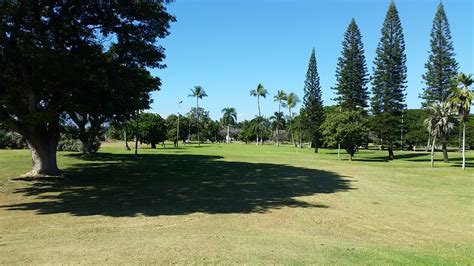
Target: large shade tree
461,99
198,92
45,49
259,92
229,118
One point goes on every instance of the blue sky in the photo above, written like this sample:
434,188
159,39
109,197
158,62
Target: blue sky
229,46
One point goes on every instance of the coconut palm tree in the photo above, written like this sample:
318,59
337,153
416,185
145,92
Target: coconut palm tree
279,97
277,122
259,92
461,99
439,123
229,118
199,93
291,101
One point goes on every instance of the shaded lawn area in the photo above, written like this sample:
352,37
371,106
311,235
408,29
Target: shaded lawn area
238,204
176,184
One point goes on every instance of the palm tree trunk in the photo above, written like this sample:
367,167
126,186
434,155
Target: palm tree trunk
258,119
460,137
291,128
228,134
198,124
463,145
445,153
432,151
338,151
278,123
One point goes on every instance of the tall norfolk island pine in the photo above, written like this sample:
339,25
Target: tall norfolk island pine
312,111
388,101
441,68
351,72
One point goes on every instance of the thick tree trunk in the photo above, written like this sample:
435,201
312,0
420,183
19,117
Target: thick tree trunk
87,139
432,151
228,134
315,146
43,155
445,153
350,156
391,156
153,145
87,147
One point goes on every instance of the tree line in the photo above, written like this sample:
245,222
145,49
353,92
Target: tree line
76,69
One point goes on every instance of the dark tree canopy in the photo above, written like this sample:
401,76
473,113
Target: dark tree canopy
389,79
351,72
151,128
53,52
312,112
441,68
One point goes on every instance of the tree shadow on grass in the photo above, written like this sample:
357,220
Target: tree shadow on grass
399,156
454,162
169,184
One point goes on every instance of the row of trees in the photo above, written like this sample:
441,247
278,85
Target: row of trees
86,64
349,124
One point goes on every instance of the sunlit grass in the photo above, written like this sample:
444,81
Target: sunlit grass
238,203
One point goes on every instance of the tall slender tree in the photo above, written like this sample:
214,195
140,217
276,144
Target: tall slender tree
312,111
290,103
259,92
279,97
441,68
351,72
461,99
229,118
389,79
199,93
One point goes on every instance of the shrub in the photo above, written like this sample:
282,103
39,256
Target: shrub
11,140
69,144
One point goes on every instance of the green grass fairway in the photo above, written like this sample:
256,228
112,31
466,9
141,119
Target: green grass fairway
238,204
